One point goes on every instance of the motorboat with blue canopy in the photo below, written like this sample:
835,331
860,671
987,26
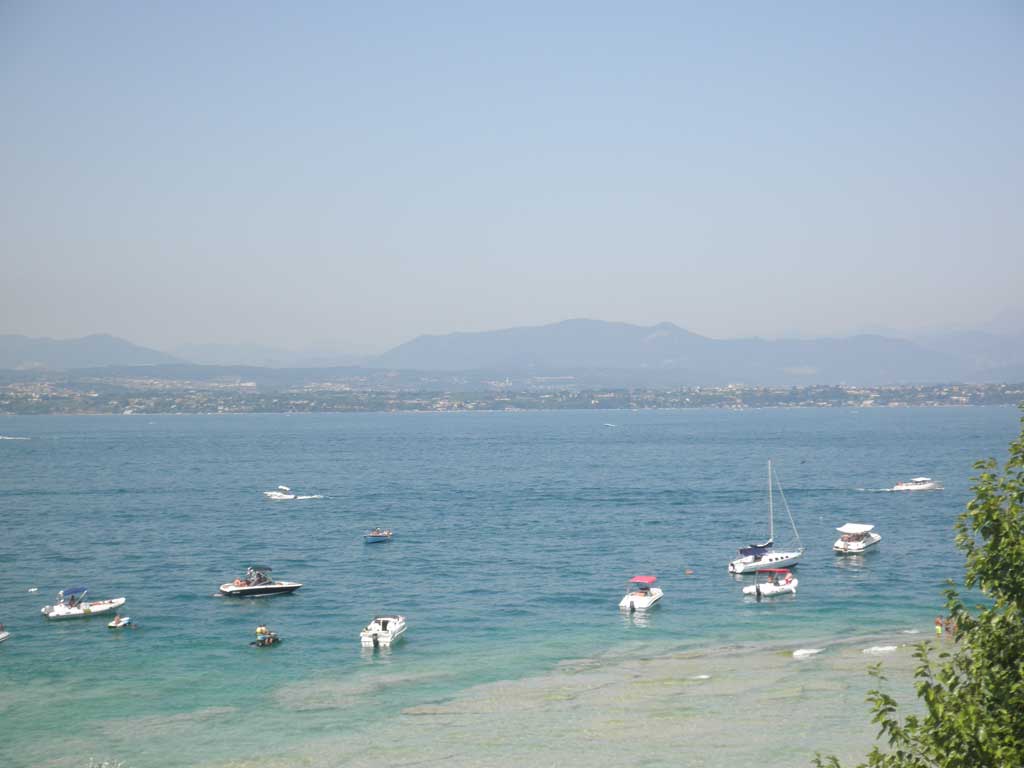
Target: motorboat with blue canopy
71,603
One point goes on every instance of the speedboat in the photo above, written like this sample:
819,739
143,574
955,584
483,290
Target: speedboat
856,538
378,535
283,493
919,484
640,594
756,557
258,583
71,604
120,622
771,582
383,630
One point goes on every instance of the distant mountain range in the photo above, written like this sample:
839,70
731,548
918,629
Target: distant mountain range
25,353
585,352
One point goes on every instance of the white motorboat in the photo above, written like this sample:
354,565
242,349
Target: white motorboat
764,555
382,631
120,622
258,583
282,493
919,484
771,582
71,604
641,594
4,634
856,538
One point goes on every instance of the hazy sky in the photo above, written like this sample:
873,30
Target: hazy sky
353,175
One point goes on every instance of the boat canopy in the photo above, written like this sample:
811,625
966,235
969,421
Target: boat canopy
73,591
855,528
756,551
263,568
643,580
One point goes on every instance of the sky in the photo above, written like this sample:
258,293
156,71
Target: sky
348,176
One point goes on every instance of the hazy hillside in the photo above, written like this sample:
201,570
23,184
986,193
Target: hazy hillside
22,352
666,353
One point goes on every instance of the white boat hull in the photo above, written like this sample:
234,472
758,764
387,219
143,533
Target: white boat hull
749,564
259,590
930,485
374,635
640,601
88,608
4,635
278,496
771,590
856,547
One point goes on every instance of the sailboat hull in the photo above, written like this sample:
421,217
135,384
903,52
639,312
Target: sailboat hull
749,564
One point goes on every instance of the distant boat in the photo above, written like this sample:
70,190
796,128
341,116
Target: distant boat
640,594
378,536
756,557
856,538
919,484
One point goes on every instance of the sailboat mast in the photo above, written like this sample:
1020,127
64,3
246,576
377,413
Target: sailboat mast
771,511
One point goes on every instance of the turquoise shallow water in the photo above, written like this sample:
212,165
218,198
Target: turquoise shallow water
515,535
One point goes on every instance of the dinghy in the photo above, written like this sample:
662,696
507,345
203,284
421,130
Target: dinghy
71,604
771,582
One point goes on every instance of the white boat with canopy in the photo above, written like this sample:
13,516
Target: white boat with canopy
919,484
383,630
641,594
71,604
771,582
757,557
258,583
856,538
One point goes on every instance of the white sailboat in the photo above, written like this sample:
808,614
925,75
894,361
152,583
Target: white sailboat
764,555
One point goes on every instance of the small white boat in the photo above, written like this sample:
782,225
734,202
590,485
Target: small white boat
856,538
641,594
771,582
756,557
120,622
382,631
4,634
258,583
283,493
71,604
919,484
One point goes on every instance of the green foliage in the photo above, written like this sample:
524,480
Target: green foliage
973,697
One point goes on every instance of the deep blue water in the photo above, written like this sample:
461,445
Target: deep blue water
515,534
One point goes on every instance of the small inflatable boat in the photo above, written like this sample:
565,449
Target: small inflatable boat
120,621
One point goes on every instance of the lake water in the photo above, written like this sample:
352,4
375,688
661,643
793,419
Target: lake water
515,535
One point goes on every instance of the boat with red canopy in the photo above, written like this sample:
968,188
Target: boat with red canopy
641,593
771,582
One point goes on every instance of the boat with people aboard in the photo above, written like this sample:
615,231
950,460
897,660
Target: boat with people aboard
264,637
120,622
764,555
771,582
640,593
382,631
856,538
378,536
919,484
71,604
258,583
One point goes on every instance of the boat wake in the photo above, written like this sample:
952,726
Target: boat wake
11,437
311,496
874,490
